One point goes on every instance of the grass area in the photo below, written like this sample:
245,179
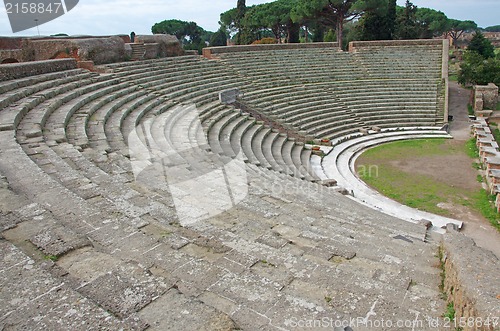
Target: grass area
453,77
416,147
470,110
485,203
450,312
498,106
495,132
414,190
421,191
471,148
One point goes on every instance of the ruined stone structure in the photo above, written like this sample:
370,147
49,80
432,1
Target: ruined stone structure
494,37
135,199
485,97
99,50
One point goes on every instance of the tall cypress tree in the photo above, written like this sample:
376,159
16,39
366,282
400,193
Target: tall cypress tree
391,19
407,22
241,9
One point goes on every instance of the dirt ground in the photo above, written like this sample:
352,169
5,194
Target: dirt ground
454,169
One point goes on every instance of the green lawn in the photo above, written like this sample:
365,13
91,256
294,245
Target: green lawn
417,190
416,147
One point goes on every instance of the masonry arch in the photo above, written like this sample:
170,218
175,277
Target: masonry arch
9,60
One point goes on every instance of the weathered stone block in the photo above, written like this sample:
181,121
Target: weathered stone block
485,97
229,96
167,45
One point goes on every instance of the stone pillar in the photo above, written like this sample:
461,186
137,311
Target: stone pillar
488,94
478,101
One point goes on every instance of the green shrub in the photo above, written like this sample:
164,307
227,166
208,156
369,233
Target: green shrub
470,110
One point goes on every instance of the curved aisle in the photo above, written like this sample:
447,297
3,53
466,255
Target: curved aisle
339,164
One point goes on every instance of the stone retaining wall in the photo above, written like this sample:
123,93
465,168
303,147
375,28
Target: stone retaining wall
10,42
6,54
99,50
471,281
210,51
417,42
20,70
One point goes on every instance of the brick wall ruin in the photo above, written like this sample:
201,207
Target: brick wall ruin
100,50
160,45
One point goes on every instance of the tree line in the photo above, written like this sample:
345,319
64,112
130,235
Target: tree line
294,21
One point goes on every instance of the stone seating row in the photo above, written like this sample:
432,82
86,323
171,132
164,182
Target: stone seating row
12,114
357,63
294,104
36,83
232,133
123,98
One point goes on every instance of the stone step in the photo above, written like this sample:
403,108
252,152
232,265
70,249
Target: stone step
329,132
258,147
237,138
34,297
296,156
97,122
215,134
114,125
227,134
286,154
14,91
55,97
276,152
305,157
331,119
247,142
297,116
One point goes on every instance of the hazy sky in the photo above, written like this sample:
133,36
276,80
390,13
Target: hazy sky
93,17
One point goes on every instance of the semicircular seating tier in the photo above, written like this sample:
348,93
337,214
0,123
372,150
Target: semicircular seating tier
328,93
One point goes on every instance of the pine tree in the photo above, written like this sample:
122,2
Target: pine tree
481,45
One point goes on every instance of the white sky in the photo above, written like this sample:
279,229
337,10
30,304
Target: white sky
93,17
